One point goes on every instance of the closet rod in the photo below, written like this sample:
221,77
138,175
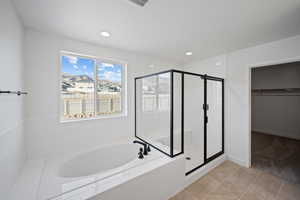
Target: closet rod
278,95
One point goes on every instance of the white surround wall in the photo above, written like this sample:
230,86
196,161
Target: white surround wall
12,145
237,88
46,135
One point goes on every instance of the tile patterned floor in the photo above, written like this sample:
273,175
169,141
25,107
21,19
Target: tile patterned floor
233,182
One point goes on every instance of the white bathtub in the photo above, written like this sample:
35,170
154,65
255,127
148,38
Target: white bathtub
99,160
107,173
67,174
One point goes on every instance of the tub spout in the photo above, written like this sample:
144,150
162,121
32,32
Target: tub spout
145,152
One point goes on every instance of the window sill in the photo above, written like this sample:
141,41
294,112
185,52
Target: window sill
94,118
156,111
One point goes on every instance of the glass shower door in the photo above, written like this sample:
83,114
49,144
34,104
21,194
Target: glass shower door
193,121
214,123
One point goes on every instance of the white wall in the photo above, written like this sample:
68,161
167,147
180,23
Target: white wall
276,115
12,148
237,88
215,66
46,135
238,97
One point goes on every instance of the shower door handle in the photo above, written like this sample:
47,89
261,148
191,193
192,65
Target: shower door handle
206,120
205,107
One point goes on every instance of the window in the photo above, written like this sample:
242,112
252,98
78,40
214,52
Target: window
91,88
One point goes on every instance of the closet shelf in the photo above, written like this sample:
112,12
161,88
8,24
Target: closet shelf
276,92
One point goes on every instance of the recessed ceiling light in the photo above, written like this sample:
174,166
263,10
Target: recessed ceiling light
189,53
151,66
105,34
218,63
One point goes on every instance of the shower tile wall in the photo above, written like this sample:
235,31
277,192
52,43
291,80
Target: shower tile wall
12,145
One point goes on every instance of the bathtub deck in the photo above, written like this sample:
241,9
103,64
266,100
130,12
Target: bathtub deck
33,184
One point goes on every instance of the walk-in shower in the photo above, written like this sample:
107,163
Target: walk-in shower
180,112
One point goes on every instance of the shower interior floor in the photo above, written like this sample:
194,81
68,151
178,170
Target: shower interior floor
194,156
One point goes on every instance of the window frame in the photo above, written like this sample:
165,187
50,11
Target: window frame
96,60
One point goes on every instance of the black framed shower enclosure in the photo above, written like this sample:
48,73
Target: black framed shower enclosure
166,90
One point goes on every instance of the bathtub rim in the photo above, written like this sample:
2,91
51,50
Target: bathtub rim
79,154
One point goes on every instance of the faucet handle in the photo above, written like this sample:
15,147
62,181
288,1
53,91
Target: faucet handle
148,148
141,156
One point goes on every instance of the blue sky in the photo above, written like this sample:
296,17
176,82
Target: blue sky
84,66
110,72
78,66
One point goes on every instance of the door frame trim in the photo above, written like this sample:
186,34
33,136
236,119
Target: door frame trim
250,67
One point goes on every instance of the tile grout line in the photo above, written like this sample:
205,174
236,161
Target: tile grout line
280,188
248,188
223,180
239,167
40,179
208,175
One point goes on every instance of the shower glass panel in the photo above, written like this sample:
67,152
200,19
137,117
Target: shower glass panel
181,112
158,111
215,118
193,121
153,110
177,113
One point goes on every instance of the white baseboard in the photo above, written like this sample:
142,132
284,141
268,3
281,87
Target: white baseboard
239,161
